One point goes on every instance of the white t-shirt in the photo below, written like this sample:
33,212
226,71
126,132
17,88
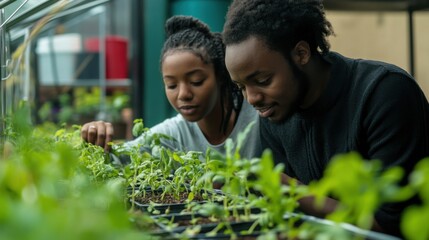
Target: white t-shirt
190,137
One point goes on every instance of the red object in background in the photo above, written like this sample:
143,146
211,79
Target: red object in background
116,55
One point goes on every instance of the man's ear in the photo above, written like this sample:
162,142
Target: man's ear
301,53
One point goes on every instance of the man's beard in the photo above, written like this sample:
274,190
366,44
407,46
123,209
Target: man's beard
302,88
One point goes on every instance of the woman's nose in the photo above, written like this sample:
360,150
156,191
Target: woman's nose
185,92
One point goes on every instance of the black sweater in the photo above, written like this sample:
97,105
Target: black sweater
371,107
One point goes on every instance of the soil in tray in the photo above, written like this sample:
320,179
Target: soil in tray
168,204
168,198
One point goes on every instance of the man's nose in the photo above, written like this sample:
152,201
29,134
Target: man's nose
252,96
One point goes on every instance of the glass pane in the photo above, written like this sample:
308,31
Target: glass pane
30,4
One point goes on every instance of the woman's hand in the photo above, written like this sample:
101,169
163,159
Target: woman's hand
98,133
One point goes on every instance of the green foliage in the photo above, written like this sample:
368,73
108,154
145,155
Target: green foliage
360,186
414,220
277,200
45,194
138,127
56,186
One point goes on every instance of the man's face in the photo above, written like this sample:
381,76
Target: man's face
269,82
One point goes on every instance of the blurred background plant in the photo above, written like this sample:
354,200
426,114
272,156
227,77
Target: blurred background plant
83,106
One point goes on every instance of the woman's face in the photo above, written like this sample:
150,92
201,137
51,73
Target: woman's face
190,84
268,81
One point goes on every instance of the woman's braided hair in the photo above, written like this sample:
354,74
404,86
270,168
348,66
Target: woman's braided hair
186,33
281,24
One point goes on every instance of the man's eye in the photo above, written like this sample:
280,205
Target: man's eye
264,81
171,86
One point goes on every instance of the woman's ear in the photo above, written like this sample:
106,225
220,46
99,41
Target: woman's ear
301,53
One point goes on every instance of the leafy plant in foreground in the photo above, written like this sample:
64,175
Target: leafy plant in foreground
44,190
414,220
360,186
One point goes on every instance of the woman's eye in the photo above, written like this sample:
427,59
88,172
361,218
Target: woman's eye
171,86
197,83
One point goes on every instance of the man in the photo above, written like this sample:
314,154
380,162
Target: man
314,103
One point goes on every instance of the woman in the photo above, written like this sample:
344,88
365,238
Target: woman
197,84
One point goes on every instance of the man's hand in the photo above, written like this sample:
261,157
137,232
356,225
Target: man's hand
285,179
307,204
98,133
